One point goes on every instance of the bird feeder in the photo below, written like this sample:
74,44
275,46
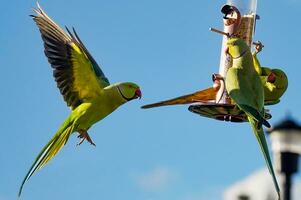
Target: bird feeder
238,21
238,18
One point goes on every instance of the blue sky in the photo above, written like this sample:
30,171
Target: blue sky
159,154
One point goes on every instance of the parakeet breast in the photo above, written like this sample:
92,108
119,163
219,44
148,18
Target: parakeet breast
90,112
245,88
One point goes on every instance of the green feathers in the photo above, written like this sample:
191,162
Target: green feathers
259,134
50,150
275,82
245,87
81,82
91,97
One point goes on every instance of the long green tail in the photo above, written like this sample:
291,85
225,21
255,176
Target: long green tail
50,150
264,148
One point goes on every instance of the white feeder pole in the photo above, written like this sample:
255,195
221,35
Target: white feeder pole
239,24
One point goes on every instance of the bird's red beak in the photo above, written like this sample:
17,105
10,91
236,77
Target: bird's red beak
138,93
272,78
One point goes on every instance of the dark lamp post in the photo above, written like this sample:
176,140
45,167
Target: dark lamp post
286,147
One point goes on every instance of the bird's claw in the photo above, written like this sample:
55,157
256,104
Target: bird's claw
85,136
258,46
219,84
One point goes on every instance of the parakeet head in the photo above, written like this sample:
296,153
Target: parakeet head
236,47
129,91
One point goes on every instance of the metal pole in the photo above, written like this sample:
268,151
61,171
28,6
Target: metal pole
286,186
286,163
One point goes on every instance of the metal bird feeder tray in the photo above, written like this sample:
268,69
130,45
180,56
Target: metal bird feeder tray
238,21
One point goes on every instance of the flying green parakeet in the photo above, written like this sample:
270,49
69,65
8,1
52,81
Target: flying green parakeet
244,86
275,81
83,85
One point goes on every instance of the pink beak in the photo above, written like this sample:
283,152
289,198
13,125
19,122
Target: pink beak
272,77
138,93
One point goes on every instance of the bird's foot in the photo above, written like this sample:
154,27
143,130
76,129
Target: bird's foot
258,46
85,136
219,85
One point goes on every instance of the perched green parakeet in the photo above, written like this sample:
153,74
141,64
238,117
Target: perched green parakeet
274,81
244,86
81,82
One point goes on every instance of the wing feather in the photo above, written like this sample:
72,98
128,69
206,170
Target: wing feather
76,73
199,96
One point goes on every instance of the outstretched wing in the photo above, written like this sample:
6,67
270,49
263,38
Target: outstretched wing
77,74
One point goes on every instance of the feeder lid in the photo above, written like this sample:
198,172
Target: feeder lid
226,9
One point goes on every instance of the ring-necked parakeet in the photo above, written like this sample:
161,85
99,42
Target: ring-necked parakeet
275,81
244,86
83,85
